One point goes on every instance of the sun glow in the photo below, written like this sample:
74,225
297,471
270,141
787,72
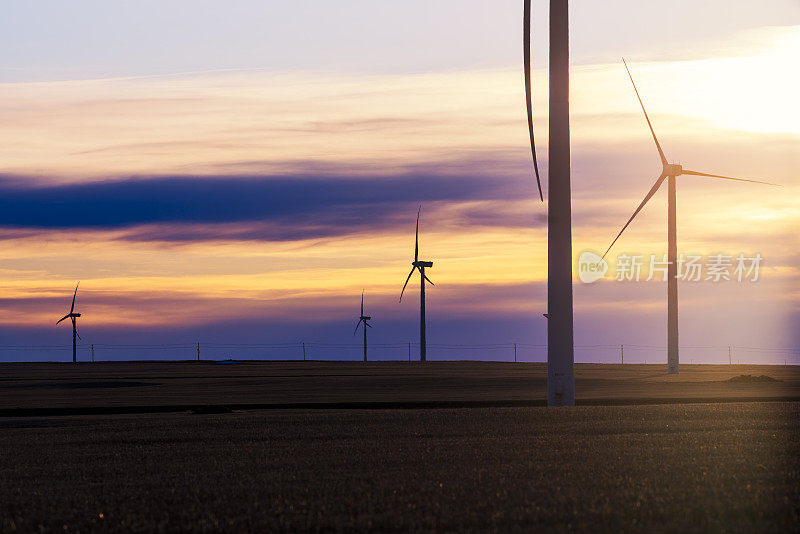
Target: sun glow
753,93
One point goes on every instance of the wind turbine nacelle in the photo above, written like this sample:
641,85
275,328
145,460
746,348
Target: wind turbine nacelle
74,314
672,169
422,264
365,317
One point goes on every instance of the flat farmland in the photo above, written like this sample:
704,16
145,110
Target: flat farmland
389,446
62,387
723,467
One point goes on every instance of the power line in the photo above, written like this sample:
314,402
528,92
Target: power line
320,349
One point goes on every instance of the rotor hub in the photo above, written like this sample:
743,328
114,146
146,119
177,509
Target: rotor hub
673,169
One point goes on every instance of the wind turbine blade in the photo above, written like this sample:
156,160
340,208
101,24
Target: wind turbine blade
416,237
72,309
362,302
404,285
357,325
658,145
428,279
77,334
526,47
366,323
695,173
635,213
65,317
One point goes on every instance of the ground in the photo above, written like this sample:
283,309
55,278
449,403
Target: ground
680,466
50,387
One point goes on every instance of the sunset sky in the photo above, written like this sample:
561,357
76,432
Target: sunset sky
237,172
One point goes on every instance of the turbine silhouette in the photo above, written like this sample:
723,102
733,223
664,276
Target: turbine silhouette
560,347
669,172
363,319
73,316
526,51
417,264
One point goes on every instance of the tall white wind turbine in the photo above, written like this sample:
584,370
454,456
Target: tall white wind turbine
669,172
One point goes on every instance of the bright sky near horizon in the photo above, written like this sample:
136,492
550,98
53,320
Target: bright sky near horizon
242,170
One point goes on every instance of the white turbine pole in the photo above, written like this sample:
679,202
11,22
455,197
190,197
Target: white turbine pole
672,282
560,351
423,342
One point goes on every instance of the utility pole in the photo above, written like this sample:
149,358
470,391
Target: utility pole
198,351
409,351
304,350
515,353
622,354
92,352
730,362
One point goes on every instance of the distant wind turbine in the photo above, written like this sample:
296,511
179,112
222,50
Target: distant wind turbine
363,319
669,172
560,347
419,265
73,316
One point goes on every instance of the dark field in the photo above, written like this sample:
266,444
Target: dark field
726,467
464,447
62,388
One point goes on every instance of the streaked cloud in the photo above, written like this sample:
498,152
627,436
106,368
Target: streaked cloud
296,207
257,122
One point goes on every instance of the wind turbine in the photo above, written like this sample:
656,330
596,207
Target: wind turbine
669,172
73,316
419,265
363,319
560,349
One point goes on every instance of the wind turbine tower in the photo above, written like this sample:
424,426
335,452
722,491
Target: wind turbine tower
560,349
419,265
73,316
363,319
